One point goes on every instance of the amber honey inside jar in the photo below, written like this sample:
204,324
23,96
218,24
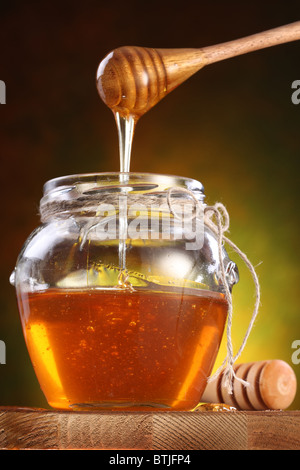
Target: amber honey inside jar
112,321
113,348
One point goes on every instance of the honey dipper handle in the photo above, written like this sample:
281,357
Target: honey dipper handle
272,37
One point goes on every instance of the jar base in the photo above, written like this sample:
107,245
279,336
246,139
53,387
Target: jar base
120,406
128,406
145,407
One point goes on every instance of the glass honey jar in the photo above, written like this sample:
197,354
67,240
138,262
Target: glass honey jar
120,297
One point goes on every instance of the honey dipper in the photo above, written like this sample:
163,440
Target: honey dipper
131,80
272,386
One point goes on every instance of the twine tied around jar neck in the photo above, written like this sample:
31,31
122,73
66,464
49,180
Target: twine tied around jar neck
216,218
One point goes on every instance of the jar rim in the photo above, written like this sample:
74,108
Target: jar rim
81,193
98,178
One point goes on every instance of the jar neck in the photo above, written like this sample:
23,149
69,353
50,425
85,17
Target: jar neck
80,195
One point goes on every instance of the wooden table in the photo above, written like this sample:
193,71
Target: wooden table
27,428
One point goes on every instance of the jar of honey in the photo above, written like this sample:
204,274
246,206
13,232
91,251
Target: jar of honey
120,295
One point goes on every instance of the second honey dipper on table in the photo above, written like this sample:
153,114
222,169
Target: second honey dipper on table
272,385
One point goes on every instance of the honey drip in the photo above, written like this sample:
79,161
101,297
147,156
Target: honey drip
125,127
127,106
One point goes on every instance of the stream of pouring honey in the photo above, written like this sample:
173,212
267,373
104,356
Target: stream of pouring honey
123,91
126,120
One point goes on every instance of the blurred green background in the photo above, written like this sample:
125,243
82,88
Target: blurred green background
232,126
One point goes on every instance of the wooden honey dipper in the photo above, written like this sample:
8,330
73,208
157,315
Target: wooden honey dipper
272,385
131,80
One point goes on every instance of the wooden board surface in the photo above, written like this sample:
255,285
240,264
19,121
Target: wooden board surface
26,428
